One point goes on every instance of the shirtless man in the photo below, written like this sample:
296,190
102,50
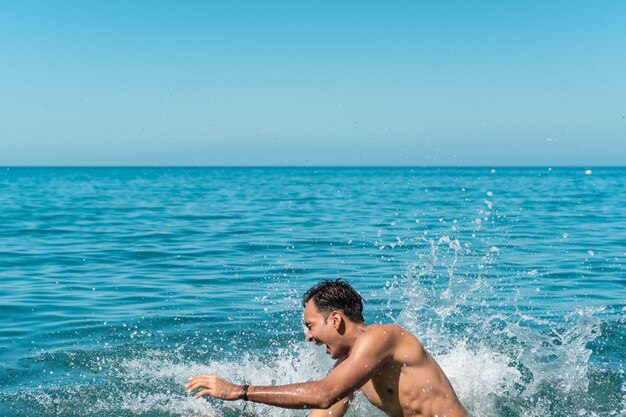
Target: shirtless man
385,362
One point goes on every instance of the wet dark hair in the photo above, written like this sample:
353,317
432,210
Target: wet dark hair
338,295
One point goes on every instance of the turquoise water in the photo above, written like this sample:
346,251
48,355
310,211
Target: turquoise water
117,284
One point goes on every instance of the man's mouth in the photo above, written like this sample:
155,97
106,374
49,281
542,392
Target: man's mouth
318,343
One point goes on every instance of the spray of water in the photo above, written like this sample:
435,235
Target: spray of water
501,362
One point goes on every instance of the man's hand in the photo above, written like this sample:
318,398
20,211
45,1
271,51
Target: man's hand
215,387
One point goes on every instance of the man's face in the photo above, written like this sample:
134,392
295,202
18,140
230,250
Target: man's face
320,331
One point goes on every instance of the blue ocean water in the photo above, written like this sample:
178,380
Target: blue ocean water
117,284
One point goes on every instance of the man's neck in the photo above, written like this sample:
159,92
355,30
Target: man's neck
353,332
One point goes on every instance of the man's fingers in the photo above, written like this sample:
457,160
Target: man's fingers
202,394
197,381
196,378
200,381
196,385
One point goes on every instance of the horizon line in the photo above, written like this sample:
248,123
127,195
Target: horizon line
314,166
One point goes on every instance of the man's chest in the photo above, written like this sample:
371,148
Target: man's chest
382,389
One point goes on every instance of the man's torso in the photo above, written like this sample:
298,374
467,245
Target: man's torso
411,383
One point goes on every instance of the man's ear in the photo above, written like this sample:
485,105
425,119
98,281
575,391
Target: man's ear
336,320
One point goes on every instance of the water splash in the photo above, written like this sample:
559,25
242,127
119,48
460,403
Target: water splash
500,362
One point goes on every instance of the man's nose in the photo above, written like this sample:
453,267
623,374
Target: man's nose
309,336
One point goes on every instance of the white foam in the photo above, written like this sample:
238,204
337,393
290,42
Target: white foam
296,364
476,374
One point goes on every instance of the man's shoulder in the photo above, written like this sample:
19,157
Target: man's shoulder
386,329
386,341
391,334
397,342
381,333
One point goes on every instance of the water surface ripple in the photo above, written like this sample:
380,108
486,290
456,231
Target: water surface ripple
117,284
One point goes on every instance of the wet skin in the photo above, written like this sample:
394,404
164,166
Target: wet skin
385,362
410,382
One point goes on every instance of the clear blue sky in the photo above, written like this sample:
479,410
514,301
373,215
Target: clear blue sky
313,83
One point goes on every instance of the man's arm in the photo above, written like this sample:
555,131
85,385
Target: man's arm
367,354
338,409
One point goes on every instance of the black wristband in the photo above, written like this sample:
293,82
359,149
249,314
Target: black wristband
245,392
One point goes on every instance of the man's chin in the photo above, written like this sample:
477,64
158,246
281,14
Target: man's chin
337,354
331,353
334,355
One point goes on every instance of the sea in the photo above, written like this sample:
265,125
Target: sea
118,284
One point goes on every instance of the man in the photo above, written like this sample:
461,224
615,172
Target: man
385,362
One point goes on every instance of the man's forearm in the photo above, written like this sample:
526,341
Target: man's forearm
305,395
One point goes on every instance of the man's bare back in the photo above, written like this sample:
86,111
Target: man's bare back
385,362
